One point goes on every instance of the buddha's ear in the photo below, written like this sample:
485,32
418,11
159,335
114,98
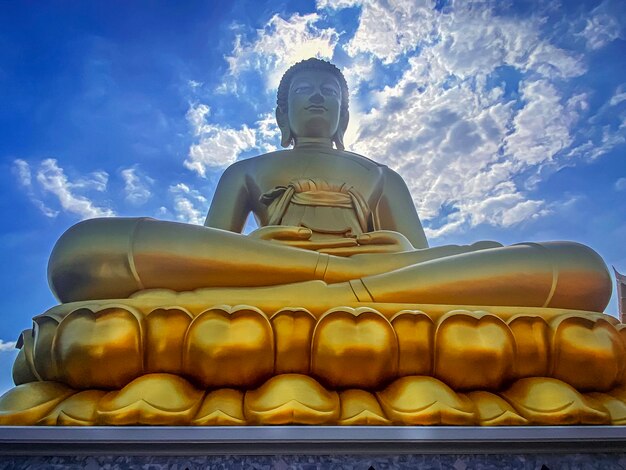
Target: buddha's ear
341,130
282,119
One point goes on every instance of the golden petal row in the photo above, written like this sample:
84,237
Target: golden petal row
296,399
241,347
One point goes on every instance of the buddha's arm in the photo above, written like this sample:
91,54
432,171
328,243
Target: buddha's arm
396,211
231,205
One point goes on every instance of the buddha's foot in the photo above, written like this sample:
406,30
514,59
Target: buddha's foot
368,264
296,399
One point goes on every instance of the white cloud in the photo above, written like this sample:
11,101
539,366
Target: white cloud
22,169
601,29
196,117
389,29
280,44
190,206
136,186
470,108
53,180
447,143
620,184
465,40
220,146
7,346
464,142
337,4
50,180
542,126
96,181
619,96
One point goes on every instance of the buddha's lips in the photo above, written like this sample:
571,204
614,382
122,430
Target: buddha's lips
316,108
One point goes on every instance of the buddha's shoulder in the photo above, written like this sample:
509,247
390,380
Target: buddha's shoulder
361,159
259,160
272,157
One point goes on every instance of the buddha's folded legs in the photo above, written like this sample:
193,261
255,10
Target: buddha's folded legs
115,257
552,274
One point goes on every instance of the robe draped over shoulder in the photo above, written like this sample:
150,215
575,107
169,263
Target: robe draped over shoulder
325,207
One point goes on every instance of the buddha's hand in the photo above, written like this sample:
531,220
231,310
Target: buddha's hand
381,241
299,237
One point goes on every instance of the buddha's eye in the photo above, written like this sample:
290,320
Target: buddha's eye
300,89
330,91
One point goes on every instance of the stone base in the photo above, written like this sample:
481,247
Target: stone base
311,462
300,447
300,440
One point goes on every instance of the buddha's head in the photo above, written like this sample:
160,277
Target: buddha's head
312,102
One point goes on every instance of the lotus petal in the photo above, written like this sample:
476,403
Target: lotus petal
532,340
293,329
414,330
165,335
495,411
544,400
222,407
291,399
77,410
419,400
613,404
360,408
354,348
473,350
153,399
26,404
101,348
229,347
587,353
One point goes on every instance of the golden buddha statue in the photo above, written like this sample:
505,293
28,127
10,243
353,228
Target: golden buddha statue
335,311
326,214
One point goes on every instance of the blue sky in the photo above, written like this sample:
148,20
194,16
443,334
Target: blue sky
506,119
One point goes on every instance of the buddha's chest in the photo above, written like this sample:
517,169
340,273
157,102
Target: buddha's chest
328,173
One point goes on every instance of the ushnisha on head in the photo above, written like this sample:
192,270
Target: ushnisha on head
312,102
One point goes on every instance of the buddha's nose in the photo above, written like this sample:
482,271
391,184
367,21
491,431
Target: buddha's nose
317,98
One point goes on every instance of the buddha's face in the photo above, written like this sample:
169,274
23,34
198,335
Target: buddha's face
314,104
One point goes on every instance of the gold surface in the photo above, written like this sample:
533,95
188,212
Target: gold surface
44,362
24,369
335,311
155,399
346,347
615,407
291,399
532,341
28,403
293,329
222,407
101,348
473,341
360,408
354,348
546,401
492,410
77,410
166,399
165,333
425,401
581,343
229,347
414,330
